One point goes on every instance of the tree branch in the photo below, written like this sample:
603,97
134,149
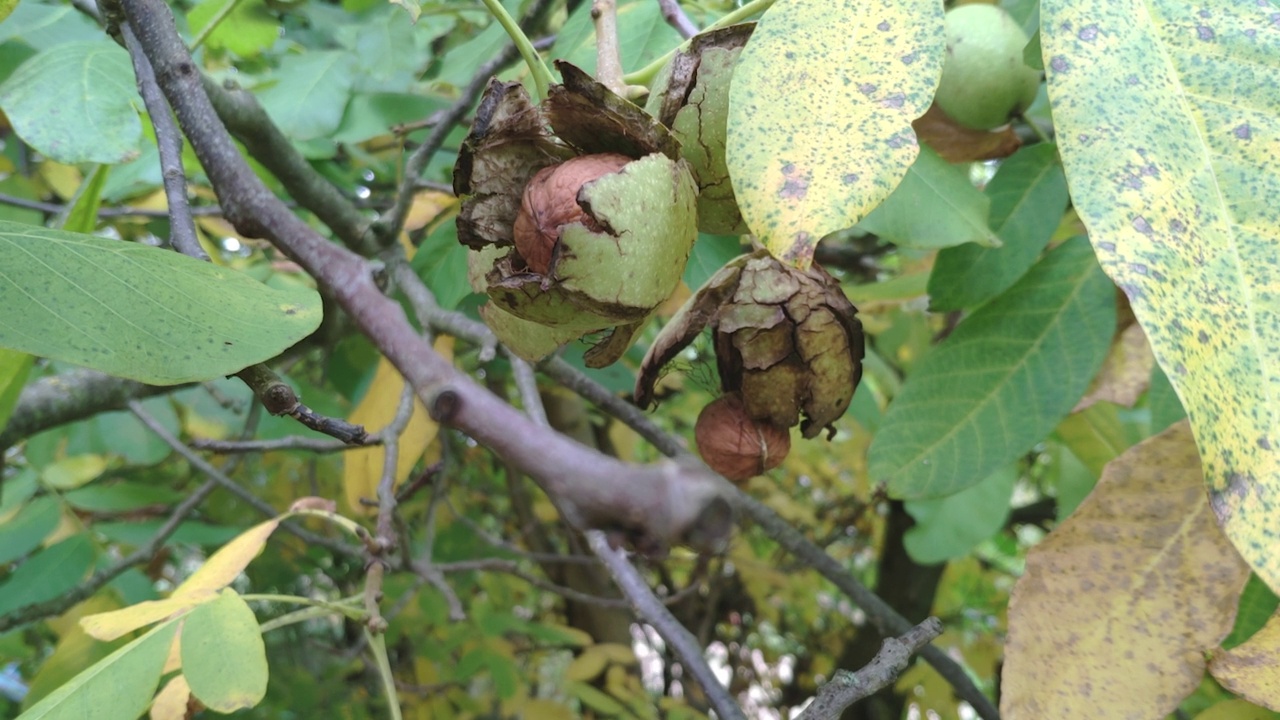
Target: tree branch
846,688
676,18
64,602
651,609
657,505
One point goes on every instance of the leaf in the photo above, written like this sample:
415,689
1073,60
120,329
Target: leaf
24,532
1236,710
808,164
118,687
362,467
223,658
14,368
950,527
1125,374
246,30
1095,436
1257,605
1176,187
1248,670
48,573
171,701
72,472
76,102
1000,382
642,36
1137,584
710,253
6,8
217,572
83,216
934,206
442,265
309,93
1028,196
140,312
75,651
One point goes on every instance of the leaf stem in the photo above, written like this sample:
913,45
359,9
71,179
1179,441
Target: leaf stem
378,644
645,75
214,22
541,74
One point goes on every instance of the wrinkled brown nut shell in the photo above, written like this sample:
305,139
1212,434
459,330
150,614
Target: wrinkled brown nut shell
736,446
550,202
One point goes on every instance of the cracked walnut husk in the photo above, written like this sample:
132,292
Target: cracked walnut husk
580,214
786,340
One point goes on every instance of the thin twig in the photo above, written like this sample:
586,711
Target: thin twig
182,228
653,612
62,603
384,541
218,476
293,442
676,18
106,212
845,688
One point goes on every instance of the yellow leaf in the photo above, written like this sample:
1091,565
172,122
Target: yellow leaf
362,467
228,562
426,205
111,625
1138,583
545,710
1249,669
805,164
171,702
70,473
63,180
1167,131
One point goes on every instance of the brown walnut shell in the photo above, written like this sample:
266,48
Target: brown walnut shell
550,202
736,446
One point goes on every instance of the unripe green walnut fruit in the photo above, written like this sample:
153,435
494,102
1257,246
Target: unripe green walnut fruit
984,80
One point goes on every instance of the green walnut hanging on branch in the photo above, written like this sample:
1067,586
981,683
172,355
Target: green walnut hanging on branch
580,214
789,351
691,96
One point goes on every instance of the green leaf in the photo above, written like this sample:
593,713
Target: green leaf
948,528
140,312
72,472
1097,435
1000,382
1257,605
805,164
14,368
190,532
934,206
370,115
1167,119
48,573
1070,479
76,103
310,93
1028,196
24,532
223,657
83,215
710,253
248,29
6,8
441,262
1166,408
118,687
122,496
642,36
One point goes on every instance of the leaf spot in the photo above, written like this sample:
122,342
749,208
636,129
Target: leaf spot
883,26
1088,33
1058,64
1202,336
1264,443
895,100
1141,225
866,88
849,178
1204,32
1243,132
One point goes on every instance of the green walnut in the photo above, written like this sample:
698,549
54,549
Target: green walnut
984,79
580,214
787,342
691,96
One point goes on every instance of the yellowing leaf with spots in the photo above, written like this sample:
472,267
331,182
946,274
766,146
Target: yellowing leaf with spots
1168,121
362,467
820,113
1138,583
1249,669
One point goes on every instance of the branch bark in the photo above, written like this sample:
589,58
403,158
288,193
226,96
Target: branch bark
846,688
655,505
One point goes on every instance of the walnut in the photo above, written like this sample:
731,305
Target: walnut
736,446
550,202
